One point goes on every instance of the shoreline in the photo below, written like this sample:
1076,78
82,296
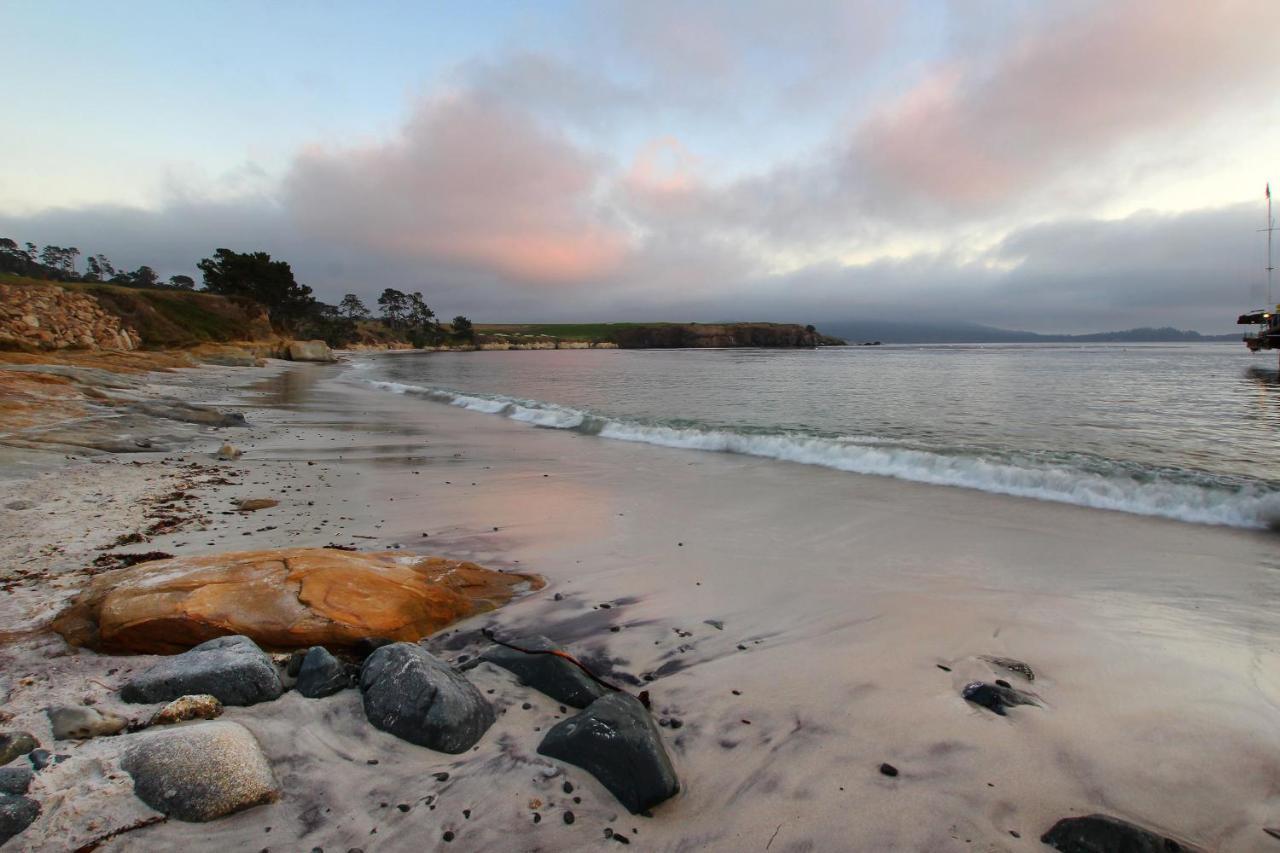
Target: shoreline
1157,655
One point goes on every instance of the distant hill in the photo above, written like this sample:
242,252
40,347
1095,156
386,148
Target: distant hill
892,332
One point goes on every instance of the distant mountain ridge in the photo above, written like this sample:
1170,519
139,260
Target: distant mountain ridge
893,332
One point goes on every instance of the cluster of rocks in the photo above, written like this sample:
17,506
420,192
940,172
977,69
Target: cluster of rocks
53,318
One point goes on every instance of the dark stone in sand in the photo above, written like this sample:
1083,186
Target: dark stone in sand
15,780
16,814
294,665
1013,665
547,673
615,740
14,744
321,674
232,669
995,698
1098,833
417,697
42,758
888,770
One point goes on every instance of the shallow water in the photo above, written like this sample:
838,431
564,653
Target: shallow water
1190,432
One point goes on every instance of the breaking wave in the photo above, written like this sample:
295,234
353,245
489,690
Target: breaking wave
1067,478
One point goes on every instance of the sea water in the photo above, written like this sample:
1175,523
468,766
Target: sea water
1186,431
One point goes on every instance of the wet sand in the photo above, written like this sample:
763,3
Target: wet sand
1155,644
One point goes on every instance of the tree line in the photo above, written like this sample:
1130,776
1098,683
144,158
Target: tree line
254,276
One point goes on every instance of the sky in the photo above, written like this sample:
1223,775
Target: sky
1050,166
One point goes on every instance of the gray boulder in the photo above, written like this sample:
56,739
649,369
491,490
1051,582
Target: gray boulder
79,721
15,780
14,744
417,697
995,697
231,669
201,771
616,741
547,673
321,674
310,351
1099,833
16,814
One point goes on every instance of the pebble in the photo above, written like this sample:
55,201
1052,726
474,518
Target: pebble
888,770
568,817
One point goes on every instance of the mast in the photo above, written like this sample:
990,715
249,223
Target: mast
1270,229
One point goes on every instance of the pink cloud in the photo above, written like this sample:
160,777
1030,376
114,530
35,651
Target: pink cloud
467,182
972,134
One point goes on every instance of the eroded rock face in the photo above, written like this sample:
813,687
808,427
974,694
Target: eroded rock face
547,673
616,741
285,599
231,669
200,772
1099,833
417,697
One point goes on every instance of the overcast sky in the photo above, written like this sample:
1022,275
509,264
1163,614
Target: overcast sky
1072,166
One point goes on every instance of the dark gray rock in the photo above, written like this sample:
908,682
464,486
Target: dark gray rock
14,744
1012,665
417,697
995,698
321,674
547,673
615,740
42,758
79,721
1099,833
232,669
16,814
296,657
16,779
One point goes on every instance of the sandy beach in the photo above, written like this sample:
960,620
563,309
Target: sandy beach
800,625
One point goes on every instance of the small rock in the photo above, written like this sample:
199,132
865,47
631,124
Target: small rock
14,744
42,758
995,698
294,665
232,669
229,452
16,779
417,697
546,671
16,814
1098,832
20,505
568,817
1012,665
200,772
615,740
77,722
254,504
321,674
200,706
888,770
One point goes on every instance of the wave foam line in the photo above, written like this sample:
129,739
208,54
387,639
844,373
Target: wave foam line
1152,493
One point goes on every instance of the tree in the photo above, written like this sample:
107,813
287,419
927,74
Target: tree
419,315
182,282
31,252
108,271
394,306
352,308
144,276
462,327
93,270
257,277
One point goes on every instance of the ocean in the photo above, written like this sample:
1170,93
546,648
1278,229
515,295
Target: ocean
1185,431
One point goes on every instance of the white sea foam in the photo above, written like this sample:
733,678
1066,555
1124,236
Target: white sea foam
1194,498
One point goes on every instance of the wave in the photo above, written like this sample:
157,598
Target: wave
1083,481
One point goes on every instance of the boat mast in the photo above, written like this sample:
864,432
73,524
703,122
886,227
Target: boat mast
1270,229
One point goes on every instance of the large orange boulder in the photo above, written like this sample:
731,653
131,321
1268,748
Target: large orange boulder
285,599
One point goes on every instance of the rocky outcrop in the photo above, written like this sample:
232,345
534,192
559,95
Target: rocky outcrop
200,772
616,741
51,318
231,669
310,351
285,599
417,697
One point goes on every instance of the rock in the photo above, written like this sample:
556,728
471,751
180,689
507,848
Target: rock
42,758
995,698
615,740
254,504
1012,665
227,356
14,744
16,814
200,772
417,697
79,722
294,665
548,673
286,599
310,351
229,452
321,674
232,669
19,505
196,706
1098,833
15,780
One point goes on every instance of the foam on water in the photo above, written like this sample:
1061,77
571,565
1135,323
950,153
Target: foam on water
1084,481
